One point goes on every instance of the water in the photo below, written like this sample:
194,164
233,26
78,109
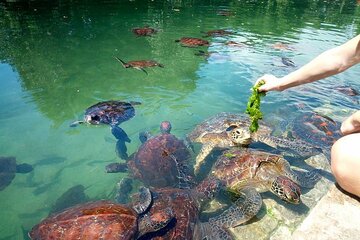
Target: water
58,59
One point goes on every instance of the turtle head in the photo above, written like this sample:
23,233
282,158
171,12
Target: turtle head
286,189
208,188
155,221
165,127
239,135
92,119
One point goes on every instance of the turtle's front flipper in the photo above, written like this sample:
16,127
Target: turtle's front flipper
243,209
200,158
141,69
76,123
297,146
119,133
121,150
307,179
144,200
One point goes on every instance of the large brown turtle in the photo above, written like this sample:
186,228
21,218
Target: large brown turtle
261,171
192,42
104,220
144,31
160,161
8,169
187,204
226,130
140,64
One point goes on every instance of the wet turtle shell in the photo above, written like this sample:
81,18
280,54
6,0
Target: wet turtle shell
144,31
109,112
226,130
161,160
8,169
192,42
102,220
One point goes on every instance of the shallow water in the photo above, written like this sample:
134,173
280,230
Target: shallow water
58,59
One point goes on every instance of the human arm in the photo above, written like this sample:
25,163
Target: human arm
330,62
351,124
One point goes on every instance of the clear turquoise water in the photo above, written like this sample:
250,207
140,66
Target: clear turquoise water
57,59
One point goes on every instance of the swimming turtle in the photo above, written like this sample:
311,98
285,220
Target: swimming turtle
347,90
140,64
104,220
226,130
281,46
287,62
110,112
161,160
144,31
8,169
187,204
218,32
192,42
241,168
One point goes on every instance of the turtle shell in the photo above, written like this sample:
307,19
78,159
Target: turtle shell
7,171
220,123
160,161
186,213
94,220
143,64
316,129
193,42
109,112
145,31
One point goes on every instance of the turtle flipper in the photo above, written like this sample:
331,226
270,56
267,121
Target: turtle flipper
156,221
200,158
119,133
243,209
141,69
76,123
144,136
297,146
144,200
124,64
121,150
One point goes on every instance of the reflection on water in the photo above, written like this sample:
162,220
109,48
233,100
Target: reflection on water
58,59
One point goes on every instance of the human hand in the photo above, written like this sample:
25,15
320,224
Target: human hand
351,124
271,83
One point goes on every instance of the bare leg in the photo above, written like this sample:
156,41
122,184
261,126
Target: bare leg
345,163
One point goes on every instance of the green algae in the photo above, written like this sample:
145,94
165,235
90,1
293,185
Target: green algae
253,106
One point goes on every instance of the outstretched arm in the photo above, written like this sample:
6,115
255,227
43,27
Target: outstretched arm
330,62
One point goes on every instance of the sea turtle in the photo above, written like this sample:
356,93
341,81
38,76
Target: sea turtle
192,42
110,112
144,31
71,197
347,90
281,46
8,169
104,220
218,32
161,160
241,168
140,64
187,204
287,62
229,129
312,127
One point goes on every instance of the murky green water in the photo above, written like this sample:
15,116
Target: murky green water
58,59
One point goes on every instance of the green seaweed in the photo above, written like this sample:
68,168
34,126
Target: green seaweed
253,106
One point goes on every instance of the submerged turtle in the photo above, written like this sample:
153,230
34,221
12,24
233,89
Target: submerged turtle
140,64
187,204
218,32
228,129
145,31
104,220
110,112
71,197
281,46
287,62
262,172
192,42
349,91
161,160
8,169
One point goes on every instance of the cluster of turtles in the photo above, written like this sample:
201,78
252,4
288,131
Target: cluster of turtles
171,201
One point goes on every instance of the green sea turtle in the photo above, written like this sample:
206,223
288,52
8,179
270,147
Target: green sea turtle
187,205
140,64
104,220
160,161
226,130
8,169
192,42
144,31
218,32
241,168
